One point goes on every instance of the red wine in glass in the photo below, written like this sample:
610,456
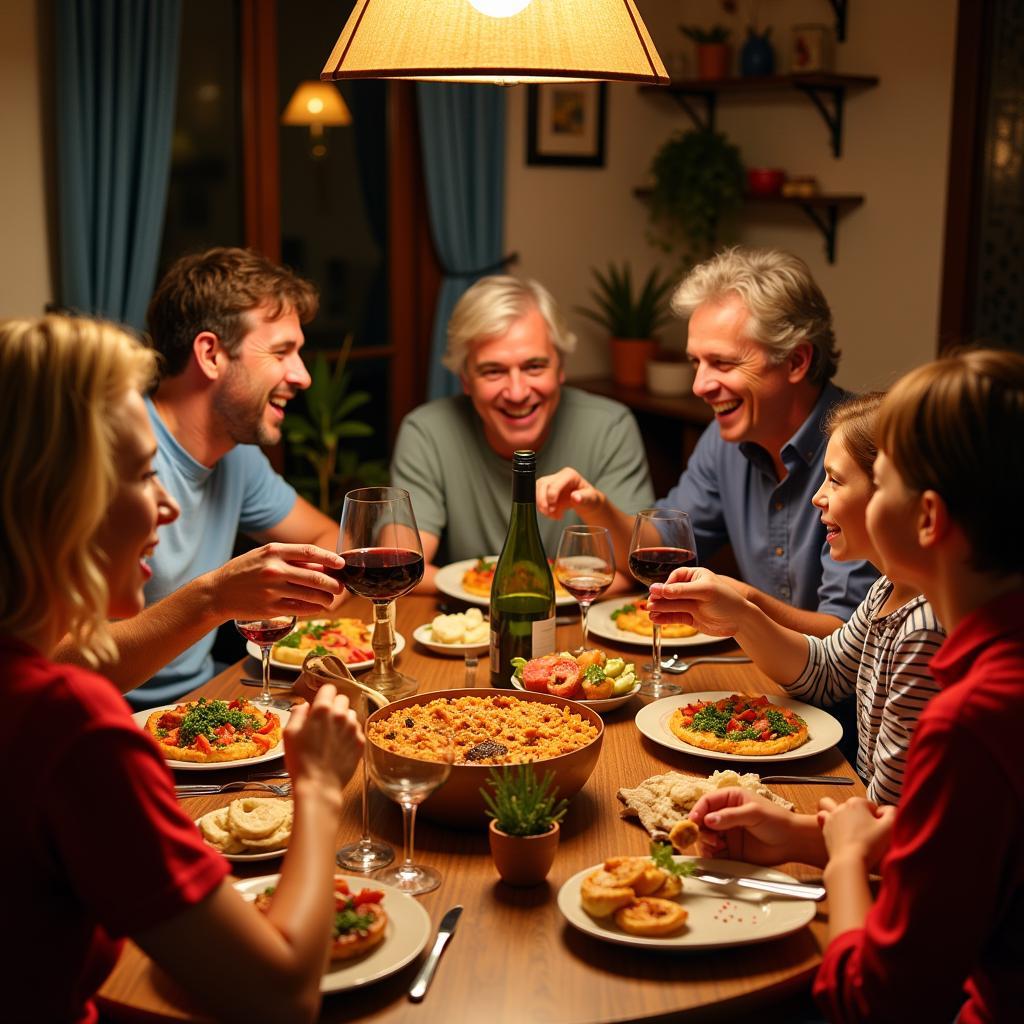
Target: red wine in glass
587,587
265,632
381,574
655,565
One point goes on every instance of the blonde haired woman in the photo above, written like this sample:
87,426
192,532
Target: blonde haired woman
103,850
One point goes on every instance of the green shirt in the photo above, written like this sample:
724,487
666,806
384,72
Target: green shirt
462,489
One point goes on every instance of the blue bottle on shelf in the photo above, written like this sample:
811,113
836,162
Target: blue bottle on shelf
757,57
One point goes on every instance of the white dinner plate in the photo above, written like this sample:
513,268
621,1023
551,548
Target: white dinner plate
424,635
407,933
602,707
824,732
718,915
354,666
601,623
141,717
449,581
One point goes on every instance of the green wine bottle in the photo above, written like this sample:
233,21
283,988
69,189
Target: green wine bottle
523,591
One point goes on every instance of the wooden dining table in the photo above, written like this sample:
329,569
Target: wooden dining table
513,957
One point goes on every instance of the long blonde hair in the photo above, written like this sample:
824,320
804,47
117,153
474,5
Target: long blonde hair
60,379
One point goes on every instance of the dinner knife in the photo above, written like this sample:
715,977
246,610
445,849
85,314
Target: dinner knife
426,973
799,889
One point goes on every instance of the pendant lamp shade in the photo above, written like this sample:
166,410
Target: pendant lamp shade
503,42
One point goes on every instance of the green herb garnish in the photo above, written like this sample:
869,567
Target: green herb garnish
661,854
291,640
350,920
594,673
207,716
624,610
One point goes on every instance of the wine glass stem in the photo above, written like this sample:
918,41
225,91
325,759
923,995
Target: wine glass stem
408,833
383,638
584,611
265,697
656,651
366,802
471,663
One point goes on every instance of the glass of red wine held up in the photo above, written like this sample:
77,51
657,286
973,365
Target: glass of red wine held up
662,542
264,633
383,560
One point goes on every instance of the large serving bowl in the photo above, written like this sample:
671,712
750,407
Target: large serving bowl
458,802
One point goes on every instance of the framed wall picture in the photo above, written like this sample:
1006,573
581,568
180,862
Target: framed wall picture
565,124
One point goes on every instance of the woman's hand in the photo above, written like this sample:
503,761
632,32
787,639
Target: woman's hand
737,824
323,741
856,829
697,597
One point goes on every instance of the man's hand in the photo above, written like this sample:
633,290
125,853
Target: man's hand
697,597
276,579
742,826
566,490
856,829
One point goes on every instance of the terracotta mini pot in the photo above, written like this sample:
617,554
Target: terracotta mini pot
629,360
713,60
523,860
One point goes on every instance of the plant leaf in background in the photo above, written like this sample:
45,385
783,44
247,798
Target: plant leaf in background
315,435
621,313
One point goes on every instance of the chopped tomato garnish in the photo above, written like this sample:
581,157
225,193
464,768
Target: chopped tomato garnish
757,701
271,723
202,744
747,716
734,726
367,896
261,741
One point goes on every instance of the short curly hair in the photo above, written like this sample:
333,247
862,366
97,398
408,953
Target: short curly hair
213,291
784,303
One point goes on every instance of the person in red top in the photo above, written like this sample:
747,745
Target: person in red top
945,937
96,846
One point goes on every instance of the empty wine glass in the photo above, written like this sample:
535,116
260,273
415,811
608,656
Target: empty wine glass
367,854
585,566
409,781
383,560
662,541
264,633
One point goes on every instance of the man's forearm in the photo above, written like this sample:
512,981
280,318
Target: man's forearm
155,636
813,623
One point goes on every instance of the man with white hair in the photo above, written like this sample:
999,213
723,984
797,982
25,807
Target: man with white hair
761,343
506,341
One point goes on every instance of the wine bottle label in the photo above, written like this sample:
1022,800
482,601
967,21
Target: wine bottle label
544,637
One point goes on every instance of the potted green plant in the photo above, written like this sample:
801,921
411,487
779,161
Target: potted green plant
316,435
712,49
525,812
631,318
698,181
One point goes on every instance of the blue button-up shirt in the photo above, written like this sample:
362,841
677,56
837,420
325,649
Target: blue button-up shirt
733,495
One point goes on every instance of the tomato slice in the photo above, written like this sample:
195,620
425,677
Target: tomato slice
261,741
202,744
367,896
565,677
747,716
271,723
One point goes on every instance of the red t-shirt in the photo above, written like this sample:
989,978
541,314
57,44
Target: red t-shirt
96,845
949,920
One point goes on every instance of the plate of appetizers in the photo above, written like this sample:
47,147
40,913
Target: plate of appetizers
470,581
607,619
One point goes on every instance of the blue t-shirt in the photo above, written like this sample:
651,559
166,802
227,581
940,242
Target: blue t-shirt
240,493
732,495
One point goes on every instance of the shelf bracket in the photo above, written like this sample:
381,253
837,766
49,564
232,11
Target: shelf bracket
703,119
833,116
839,6
825,222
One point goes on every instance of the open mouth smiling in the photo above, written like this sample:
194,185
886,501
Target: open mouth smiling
724,408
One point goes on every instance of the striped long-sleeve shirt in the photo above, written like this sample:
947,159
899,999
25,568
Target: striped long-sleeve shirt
885,660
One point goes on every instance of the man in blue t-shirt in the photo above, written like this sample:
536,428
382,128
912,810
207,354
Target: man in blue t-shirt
227,324
761,343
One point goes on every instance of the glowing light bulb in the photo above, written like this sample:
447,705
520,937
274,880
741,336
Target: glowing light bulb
500,8
315,105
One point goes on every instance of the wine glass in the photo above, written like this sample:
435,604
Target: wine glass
367,854
585,566
409,781
383,560
662,541
264,633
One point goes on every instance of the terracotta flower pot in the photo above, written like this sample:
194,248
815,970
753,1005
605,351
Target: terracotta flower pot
713,60
523,860
629,360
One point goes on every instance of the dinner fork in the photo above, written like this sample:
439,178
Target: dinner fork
677,666
209,789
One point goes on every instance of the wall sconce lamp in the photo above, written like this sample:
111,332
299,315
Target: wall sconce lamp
503,42
316,104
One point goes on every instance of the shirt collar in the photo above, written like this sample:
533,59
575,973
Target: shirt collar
192,468
1000,618
805,445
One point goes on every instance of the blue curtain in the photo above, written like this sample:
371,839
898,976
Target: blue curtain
462,128
118,69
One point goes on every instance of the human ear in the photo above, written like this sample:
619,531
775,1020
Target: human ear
933,519
799,361
209,353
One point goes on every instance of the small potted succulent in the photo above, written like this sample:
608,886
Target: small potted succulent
525,812
712,49
632,318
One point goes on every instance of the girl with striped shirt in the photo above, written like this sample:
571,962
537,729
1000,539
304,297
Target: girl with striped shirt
882,654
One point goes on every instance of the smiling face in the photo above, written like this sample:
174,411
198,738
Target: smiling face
265,372
843,499
515,382
893,516
753,399
140,504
